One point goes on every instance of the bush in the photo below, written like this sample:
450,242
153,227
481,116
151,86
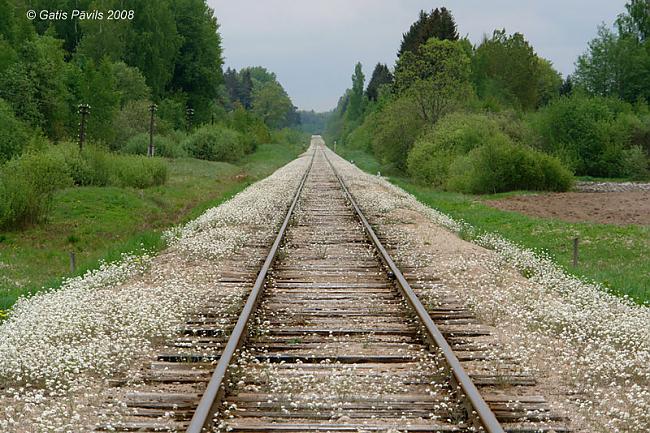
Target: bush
635,163
27,185
163,146
88,167
589,134
215,143
136,171
501,165
455,134
96,167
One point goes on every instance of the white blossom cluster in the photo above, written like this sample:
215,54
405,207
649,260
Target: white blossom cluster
594,345
223,229
59,347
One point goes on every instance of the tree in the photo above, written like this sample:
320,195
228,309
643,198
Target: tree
549,82
197,71
615,65
98,89
380,76
617,62
438,24
506,68
130,82
246,95
355,108
436,78
34,85
233,85
155,43
271,104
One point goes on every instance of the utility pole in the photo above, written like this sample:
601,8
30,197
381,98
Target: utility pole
84,110
189,113
151,150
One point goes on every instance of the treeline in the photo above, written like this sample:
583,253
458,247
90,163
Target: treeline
166,57
496,116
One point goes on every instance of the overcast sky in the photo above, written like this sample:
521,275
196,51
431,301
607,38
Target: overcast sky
312,45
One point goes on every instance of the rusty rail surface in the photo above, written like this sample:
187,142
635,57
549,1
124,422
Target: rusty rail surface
214,392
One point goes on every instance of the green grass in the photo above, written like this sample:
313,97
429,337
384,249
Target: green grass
613,255
102,223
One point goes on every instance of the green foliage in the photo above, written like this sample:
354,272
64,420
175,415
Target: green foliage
507,69
436,78
215,143
137,171
26,187
381,76
635,164
438,24
130,83
474,153
35,85
314,123
500,165
617,63
454,135
395,129
164,146
254,131
197,69
97,87
133,119
589,134
355,107
272,104
290,136
14,134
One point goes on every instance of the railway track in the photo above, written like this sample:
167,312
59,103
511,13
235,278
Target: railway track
332,338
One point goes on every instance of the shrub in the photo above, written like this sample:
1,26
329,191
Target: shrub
455,134
501,165
96,167
136,171
27,185
163,146
635,163
215,143
88,167
589,134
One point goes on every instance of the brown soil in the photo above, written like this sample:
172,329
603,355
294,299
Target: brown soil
619,208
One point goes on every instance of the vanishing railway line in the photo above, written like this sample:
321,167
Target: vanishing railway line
332,338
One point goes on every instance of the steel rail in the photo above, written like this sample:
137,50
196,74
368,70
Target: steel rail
213,394
484,415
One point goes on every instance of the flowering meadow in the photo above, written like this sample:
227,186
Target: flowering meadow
59,348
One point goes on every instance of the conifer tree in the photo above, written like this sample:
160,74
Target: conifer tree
438,24
380,76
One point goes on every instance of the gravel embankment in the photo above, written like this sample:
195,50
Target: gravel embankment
589,350
611,186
